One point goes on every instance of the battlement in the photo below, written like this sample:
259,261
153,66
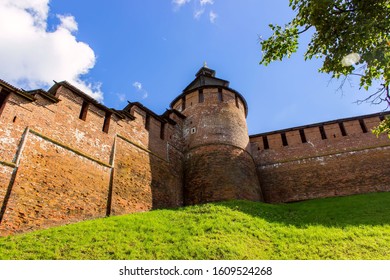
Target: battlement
336,135
322,159
59,150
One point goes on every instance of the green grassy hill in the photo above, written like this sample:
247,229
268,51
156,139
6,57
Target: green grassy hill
354,227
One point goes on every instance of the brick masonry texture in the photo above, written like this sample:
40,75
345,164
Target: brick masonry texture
338,165
66,158
5,177
333,175
220,172
54,185
217,163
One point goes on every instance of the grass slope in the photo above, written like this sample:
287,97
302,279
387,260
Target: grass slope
355,227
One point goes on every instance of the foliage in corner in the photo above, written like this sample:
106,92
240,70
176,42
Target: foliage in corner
383,127
351,36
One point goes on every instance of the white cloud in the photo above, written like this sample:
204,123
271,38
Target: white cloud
138,86
205,2
178,3
213,16
198,13
199,8
68,22
121,97
35,57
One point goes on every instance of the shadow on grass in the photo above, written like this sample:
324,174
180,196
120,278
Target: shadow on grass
357,210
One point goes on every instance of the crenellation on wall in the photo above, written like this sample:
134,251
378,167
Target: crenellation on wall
86,134
353,127
313,134
337,165
335,142
333,131
14,120
371,122
192,99
293,138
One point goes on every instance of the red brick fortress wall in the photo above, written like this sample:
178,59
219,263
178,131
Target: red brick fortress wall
58,165
334,158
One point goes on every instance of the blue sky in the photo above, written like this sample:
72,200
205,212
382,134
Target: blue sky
150,50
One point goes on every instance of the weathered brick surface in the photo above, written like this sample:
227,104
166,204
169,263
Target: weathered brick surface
167,184
132,180
143,181
88,134
13,122
54,186
214,121
316,146
58,180
217,164
5,176
219,172
337,165
333,175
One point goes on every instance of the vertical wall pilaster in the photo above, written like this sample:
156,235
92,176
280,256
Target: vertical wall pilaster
110,186
16,161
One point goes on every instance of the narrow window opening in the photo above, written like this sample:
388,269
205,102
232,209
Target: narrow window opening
183,103
284,139
3,99
106,124
342,129
265,142
303,136
147,122
220,96
201,96
363,126
323,134
84,111
237,103
162,131
14,120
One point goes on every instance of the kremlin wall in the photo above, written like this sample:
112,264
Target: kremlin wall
65,157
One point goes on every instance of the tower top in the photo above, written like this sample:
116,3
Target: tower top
205,71
205,78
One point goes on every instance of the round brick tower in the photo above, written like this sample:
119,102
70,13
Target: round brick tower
218,165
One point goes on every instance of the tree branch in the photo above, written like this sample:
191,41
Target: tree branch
304,30
341,10
378,97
